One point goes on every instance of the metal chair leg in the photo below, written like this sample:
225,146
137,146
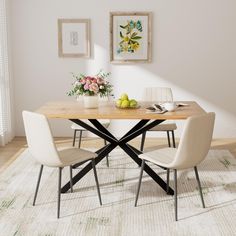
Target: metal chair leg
105,142
142,141
168,138
167,180
80,138
71,181
173,138
59,192
175,189
75,131
139,183
37,186
96,179
199,186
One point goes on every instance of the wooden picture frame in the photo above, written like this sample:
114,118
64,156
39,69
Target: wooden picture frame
74,38
130,37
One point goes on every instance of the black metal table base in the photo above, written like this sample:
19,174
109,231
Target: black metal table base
102,132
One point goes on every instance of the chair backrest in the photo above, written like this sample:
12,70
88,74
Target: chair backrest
39,139
195,141
158,94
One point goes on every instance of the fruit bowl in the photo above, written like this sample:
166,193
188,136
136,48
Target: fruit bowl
136,107
125,103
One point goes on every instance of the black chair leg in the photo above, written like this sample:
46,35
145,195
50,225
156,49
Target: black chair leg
75,131
175,189
173,138
199,186
105,142
37,186
80,138
71,181
96,179
168,138
139,183
167,180
142,141
59,192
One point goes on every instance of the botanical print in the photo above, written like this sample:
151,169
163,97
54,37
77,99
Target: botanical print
130,36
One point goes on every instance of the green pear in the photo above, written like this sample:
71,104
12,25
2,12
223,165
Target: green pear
124,104
124,96
133,103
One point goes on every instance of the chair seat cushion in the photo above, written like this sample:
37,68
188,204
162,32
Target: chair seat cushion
162,157
164,127
71,156
104,122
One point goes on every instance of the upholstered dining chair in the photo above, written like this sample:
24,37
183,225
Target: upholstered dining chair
42,148
159,95
80,129
193,148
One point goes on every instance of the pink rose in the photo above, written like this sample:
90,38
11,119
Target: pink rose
86,86
100,80
88,81
82,81
94,80
93,87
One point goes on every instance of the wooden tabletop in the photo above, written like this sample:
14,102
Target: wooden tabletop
108,110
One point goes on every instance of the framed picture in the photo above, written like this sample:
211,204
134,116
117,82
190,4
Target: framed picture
130,37
74,38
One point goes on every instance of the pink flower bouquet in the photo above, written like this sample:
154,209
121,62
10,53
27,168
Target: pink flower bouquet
91,85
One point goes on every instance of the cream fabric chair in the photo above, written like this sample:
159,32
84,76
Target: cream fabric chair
80,129
43,149
193,148
160,95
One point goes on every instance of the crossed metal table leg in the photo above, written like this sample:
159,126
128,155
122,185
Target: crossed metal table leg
102,132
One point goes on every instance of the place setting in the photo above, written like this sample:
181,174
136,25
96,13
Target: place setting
160,108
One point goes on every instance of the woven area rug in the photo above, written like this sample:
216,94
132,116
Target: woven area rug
81,213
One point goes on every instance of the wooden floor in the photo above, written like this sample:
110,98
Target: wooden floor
12,150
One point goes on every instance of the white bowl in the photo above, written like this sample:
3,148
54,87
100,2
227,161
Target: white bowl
170,106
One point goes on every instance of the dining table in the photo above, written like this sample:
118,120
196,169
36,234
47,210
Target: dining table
89,119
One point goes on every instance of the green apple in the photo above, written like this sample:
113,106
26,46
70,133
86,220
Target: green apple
133,103
124,104
118,103
124,96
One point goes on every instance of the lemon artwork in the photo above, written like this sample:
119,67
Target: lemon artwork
125,102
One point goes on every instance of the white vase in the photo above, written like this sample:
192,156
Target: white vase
91,101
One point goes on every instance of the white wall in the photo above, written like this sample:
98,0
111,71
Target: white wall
194,53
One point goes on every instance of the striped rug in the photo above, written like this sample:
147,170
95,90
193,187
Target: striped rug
81,213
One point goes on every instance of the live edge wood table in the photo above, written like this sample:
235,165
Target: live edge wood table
75,112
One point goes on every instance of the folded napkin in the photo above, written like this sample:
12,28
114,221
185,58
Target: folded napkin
156,108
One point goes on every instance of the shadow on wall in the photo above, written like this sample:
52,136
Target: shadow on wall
198,53
196,50
192,50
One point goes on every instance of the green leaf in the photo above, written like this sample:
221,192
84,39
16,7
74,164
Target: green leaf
123,27
128,30
133,41
137,37
134,34
121,35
